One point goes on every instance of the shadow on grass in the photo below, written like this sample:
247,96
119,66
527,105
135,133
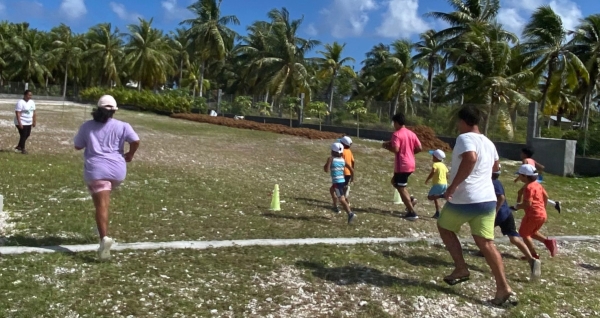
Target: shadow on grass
475,252
590,267
354,275
49,242
425,261
327,206
295,217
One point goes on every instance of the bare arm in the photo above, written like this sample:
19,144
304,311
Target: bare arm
539,167
351,171
133,147
467,164
34,118
501,198
429,176
327,164
18,114
418,149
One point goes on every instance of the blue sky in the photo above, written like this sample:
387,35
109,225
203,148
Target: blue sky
359,23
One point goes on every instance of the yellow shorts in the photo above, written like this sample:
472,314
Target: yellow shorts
480,216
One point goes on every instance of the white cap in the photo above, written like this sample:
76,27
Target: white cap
528,170
337,147
438,154
107,102
346,141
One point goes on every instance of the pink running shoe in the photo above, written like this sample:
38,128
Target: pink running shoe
551,246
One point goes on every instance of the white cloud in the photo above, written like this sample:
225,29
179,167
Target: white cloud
172,10
311,30
515,14
120,10
511,20
402,19
346,18
2,8
73,9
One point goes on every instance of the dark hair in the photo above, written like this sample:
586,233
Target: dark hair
102,115
471,115
400,119
532,178
336,154
26,92
528,152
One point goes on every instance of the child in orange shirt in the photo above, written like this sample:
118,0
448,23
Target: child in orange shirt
534,204
526,154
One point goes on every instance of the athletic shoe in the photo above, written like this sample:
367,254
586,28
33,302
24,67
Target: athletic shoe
336,209
551,246
351,217
557,206
436,215
411,216
413,201
104,250
536,269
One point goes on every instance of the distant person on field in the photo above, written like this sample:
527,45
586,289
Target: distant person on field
25,119
534,204
348,176
470,198
438,175
103,139
506,222
336,165
404,144
526,154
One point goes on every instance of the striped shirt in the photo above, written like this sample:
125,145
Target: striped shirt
337,170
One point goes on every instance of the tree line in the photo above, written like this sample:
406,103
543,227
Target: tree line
474,60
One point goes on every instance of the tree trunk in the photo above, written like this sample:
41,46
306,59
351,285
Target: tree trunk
559,116
487,119
201,84
429,80
180,73
65,82
330,90
546,87
267,97
395,106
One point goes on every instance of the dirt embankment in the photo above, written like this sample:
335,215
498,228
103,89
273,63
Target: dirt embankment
426,135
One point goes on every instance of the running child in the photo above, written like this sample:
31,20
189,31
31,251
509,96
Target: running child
336,165
438,175
534,204
506,222
526,154
349,158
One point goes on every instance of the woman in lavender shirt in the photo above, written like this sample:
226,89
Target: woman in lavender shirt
103,139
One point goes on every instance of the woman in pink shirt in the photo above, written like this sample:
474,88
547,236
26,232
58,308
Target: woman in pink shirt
103,139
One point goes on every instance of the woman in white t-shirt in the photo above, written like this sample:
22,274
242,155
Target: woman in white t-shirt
25,119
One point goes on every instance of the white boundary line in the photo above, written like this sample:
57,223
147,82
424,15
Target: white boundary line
201,245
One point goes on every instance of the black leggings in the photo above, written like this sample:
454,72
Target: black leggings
24,134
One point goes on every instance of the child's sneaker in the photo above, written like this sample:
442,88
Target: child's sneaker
104,250
336,209
557,206
413,201
436,215
551,246
351,217
411,216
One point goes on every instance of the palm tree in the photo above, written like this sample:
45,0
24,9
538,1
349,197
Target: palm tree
67,49
466,14
428,57
485,76
586,45
331,64
545,44
283,65
181,43
402,76
148,54
106,49
209,32
27,55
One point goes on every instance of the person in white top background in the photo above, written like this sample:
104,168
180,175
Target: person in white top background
25,119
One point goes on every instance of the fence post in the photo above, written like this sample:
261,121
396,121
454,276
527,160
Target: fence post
532,125
301,110
218,102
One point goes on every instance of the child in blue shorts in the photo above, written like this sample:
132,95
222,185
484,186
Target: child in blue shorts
336,165
438,174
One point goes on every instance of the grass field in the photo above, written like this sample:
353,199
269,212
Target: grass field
193,181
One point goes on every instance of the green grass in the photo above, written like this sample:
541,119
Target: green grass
193,181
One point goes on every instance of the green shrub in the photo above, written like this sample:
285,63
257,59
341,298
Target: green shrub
552,132
199,103
174,101
241,105
571,135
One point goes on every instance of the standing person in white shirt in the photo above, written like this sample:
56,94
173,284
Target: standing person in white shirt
471,199
25,119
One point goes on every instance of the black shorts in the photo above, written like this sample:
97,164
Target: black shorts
401,179
348,179
508,226
338,189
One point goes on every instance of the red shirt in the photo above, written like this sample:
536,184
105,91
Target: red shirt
535,193
407,142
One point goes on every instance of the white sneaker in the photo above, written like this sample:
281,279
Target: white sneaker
104,250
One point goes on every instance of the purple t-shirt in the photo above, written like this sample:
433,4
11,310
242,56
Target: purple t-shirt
104,143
